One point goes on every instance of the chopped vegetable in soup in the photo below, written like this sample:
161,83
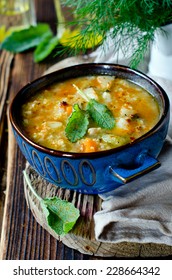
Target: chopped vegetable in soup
89,114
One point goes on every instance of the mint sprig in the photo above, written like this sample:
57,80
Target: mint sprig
77,124
79,120
61,215
101,114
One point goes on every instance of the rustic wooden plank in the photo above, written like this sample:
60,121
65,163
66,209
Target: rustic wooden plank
15,221
5,66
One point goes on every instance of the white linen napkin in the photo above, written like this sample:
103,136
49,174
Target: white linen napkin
141,211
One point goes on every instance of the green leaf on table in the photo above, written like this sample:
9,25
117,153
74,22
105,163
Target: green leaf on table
101,114
45,48
77,124
19,41
61,215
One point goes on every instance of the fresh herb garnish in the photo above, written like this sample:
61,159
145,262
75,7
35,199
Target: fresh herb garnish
100,114
77,124
79,120
61,215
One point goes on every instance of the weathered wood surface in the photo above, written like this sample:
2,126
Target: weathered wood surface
5,66
22,72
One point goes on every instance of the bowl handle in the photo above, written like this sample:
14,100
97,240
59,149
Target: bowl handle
125,175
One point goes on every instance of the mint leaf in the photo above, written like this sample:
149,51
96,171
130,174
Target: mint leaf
45,48
61,215
19,41
101,114
77,124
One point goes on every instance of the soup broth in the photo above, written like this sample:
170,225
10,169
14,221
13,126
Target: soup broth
47,114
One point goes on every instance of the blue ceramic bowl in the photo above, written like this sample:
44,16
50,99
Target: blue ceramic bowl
97,172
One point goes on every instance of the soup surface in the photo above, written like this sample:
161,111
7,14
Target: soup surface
62,116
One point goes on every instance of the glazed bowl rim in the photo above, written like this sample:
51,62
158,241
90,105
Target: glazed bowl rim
97,154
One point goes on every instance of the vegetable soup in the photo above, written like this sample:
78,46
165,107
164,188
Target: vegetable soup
89,114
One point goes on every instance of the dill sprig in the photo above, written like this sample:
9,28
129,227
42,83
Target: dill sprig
128,23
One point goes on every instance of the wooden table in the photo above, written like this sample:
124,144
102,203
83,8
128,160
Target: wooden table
22,238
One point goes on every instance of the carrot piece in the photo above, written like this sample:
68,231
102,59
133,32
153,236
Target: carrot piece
69,109
66,107
89,145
